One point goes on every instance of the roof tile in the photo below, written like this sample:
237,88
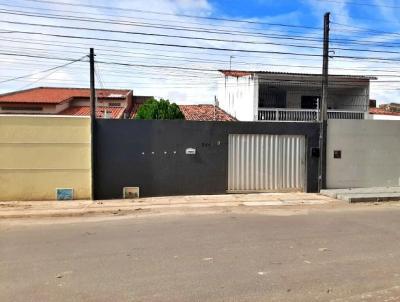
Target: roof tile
383,112
113,112
55,95
203,112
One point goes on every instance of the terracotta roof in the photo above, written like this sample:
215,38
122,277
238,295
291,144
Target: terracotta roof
135,108
242,73
205,113
198,113
55,95
112,112
383,112
236,73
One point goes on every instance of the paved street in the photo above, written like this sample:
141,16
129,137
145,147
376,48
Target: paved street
336,255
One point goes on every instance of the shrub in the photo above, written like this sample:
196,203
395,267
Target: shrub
159,110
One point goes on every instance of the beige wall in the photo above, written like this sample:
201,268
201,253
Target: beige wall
42,153
370,153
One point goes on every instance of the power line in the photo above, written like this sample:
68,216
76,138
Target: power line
358,3
175,15
43,71
163,26
210,48
200,38
181,68
52,72
358,29
159,35
186,59
98,75
153,50
170,44
153,25
134,55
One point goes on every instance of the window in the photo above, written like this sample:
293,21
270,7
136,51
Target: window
22,108
114,104
310,101
271,97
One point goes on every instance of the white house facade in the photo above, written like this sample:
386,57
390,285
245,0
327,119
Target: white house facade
277,96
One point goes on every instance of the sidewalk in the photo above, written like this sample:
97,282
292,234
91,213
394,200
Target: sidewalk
37,209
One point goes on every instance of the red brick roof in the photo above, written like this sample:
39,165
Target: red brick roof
235,73
198,113
383,112
135,108
112,112
205,113
55,95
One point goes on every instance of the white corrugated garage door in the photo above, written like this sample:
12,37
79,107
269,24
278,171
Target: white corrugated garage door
260,162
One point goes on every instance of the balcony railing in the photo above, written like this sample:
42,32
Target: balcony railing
305,115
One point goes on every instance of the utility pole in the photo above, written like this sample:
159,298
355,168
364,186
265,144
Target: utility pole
230,62
324,107
92,120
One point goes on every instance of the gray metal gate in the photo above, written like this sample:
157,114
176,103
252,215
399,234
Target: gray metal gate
259,162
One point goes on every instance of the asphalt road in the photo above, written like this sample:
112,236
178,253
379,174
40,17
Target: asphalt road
322,256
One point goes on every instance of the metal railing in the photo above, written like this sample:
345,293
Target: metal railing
304,115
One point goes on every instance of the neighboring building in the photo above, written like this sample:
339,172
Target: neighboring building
391,107
383,114
205,113
101,112
202,112
112,103
279,96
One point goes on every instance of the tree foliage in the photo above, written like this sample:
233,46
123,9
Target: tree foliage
159,110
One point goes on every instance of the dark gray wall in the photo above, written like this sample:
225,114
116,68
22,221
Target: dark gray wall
120,162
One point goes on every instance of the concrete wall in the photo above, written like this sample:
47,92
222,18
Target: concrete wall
61,107
127,159
42,153
370,153
239,97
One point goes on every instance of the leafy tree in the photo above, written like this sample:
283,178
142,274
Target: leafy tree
159,110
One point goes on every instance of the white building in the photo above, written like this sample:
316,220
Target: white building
279,96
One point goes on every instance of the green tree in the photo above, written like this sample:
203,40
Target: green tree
159,110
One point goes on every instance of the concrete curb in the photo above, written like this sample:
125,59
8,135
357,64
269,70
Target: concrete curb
88,208
377,194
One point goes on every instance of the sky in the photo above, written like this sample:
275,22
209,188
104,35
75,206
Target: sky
174,49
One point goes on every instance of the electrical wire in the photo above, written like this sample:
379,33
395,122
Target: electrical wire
158,34
158,25
49,74
358,3
43,71
173,14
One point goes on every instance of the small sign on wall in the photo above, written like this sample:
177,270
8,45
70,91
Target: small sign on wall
65,193
337,154
190,151
130,192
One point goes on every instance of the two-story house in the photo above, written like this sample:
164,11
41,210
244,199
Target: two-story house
280,96
111,103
